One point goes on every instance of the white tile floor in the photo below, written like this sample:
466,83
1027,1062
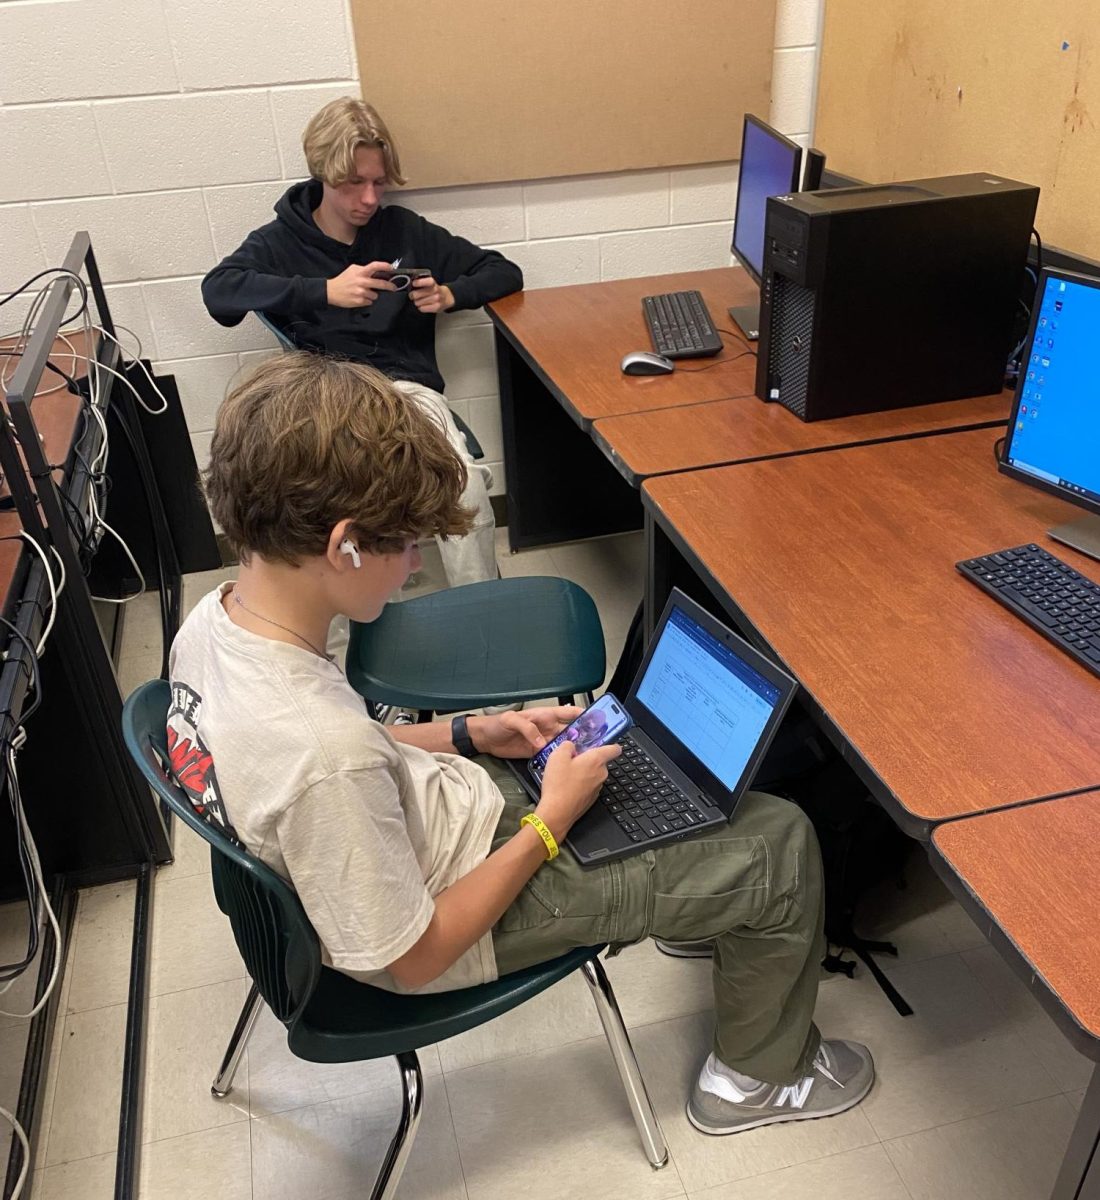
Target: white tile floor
975,1098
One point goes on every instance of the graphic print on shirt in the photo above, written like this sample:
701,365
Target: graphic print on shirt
190,762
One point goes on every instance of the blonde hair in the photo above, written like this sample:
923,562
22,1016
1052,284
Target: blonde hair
335,133
307,441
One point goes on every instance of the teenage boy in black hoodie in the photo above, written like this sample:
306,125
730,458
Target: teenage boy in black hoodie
315,273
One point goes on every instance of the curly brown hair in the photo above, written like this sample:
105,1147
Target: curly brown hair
306,441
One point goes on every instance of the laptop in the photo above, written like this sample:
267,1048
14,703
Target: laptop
705,706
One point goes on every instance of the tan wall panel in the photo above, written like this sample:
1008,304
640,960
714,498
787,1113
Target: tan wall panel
477,91
913,88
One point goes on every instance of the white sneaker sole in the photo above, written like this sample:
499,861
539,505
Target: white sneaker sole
782,1117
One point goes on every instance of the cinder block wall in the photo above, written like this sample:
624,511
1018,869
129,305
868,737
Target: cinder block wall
168,128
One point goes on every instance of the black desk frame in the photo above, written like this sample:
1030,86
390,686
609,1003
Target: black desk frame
77,642
561,488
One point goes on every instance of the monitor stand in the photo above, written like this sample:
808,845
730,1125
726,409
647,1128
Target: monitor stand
747,319
1083,535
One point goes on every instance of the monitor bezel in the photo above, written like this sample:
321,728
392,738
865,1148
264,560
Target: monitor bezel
1003,465
796,176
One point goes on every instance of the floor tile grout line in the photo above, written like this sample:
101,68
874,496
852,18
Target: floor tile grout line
454,1131
887,1142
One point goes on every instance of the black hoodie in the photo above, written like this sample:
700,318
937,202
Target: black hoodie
282,268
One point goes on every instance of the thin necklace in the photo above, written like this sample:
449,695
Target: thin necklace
286,628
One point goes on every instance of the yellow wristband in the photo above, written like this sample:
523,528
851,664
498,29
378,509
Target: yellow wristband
539,826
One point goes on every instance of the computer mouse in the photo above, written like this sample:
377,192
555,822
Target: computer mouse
641,362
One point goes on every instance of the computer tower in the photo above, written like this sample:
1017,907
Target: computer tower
893,295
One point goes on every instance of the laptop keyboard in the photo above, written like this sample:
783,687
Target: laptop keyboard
643,800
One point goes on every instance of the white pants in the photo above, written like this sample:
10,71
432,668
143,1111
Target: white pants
472,558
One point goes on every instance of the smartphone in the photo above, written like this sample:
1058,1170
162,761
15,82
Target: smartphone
604,722
402,277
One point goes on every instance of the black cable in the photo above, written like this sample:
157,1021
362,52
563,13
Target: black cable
74,387
1038,249
54,271
740,337
718,362
998,447
162,572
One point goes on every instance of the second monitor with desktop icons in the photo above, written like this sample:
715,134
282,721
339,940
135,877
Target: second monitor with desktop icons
1053,440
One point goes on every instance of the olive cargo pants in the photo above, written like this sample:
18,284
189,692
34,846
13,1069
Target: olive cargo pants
754,886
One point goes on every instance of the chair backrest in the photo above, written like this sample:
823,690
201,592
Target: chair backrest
276,941
282,338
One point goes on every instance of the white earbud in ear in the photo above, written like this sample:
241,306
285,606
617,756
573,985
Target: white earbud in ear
347,546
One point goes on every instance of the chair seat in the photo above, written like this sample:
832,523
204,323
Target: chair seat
484,643
346,1021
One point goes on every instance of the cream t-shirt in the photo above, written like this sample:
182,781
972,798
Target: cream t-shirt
272,740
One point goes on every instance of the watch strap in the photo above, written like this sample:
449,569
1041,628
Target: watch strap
460,736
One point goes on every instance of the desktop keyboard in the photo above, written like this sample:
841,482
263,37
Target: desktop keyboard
680,325
1047,593
642,799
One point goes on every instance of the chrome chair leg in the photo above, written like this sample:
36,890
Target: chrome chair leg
412,1104
223,1081
649,1128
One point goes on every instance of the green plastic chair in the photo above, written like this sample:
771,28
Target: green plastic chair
287,343
333,1019
483,643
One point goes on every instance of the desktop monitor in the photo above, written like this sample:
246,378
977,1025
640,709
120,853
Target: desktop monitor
771,165
1053,438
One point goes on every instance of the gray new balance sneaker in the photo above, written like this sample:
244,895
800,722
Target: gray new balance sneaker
842,1075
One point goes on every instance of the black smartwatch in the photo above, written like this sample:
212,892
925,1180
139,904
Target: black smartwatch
460,735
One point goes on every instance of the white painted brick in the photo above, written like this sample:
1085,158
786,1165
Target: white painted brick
134,237
57,150
185,329
556,263
292,108
660,251
707,193
200,443
12,316
493,213
484,420
202,385
127,307
796,22
793,90
500,485
467,361
236,211
188,141
597,203
66,51
251,359
254,41
460,408
20,254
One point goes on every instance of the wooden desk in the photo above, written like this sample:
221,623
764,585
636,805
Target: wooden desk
1030,879
661,442
558,354
576,337
843,563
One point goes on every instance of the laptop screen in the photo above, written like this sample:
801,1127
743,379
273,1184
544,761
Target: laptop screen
708,697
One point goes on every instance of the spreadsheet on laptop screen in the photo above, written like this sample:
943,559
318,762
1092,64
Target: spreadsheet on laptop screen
711,700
